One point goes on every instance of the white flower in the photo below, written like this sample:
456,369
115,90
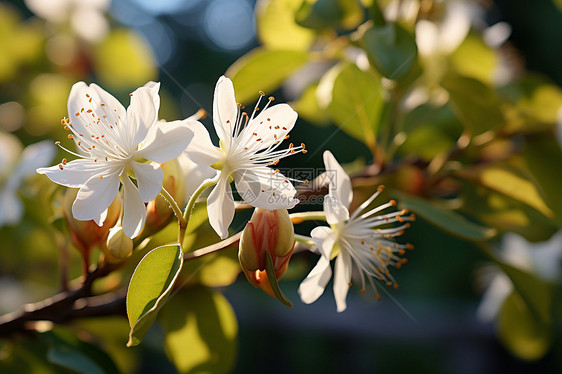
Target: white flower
248,145
543,259
353,240
15,166
111,141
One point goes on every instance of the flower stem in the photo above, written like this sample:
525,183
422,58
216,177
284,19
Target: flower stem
297,218
177,211
189,208
304,239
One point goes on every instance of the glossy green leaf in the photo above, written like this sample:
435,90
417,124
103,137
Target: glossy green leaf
475,104
354,99
201,331
504,213
216,269
391,49
277,28
544,160
263,70
325,14
151,284
68,351
520,331
447,220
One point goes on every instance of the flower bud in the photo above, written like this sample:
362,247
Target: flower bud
158,211
119,245
86,235
268,231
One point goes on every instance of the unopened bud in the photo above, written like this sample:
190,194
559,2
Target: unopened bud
268,231
158,211
86,235
119,245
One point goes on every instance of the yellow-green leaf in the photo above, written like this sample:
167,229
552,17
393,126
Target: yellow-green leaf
263,70
151,284
201,330
277,28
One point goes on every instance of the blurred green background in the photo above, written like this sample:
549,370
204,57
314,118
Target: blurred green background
428,325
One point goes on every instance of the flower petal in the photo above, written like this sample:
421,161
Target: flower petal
195,174
225,109
220,207
34,156
270,126
315,283
149,179
165,141
201,150
342,279
142,113
134,210
262,187
76,173
336,203
95,196
89,103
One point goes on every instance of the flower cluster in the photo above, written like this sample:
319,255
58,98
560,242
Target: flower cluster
120,155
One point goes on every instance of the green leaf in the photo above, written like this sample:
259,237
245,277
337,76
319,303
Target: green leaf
68,351
270,271
201,331
475,104
214,270
447,220
536,293
307,107
151,284
427,124
514,182
544,157
277,28
474,59
504,213
391,49
263,70
354,99
326,14
520,331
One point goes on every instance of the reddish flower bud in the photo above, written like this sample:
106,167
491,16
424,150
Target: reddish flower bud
158,211
268,231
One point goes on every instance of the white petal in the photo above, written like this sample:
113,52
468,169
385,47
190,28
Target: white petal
315,283
12,209
83,98
142,113
342,279
263,188
95,196
201,150
75,173
194,174
220,207
225,109
336,203
149,179
101,219
35,156
134,210
165,141
271,125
